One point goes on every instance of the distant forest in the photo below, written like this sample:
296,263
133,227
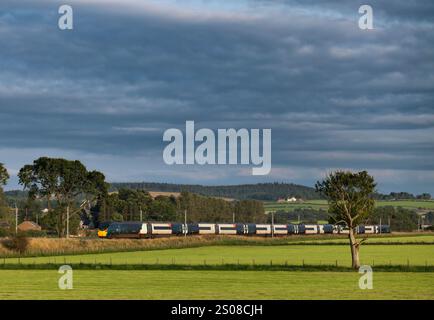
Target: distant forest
260,191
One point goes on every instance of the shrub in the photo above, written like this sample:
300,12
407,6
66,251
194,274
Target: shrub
88,233
4,232
34,233
18,243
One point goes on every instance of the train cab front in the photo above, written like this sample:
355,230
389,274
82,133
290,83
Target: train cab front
102,233
102,229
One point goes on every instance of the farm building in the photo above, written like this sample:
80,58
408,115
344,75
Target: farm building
29,225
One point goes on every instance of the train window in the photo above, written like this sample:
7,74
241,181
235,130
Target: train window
162,228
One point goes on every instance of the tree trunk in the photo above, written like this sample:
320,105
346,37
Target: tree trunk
354,249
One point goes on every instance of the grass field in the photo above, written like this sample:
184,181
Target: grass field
303,282
420,255
423,238
322,204
233,285
57,246
309,204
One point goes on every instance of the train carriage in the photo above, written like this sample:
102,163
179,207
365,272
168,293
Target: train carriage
124,230
344,230
292,229
148,230
327,228
250,229
301,229
207,228
233,228
178,229
369,229
280,229
192,228
311,229
337,229
161,229
384,228
263,229
144,231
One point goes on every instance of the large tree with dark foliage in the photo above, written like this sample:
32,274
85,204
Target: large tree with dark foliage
350,201
4,176
64,181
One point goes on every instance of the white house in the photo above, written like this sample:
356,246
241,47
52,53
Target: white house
293,199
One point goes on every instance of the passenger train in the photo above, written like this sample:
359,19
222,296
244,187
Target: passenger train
157,229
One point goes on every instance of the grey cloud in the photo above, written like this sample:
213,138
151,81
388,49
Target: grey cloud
115,83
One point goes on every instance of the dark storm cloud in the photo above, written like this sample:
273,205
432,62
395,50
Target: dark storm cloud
334,95
391,10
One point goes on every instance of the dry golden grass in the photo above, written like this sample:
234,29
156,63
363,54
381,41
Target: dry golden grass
57,246
155,194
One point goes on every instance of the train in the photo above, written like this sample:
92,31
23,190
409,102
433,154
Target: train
160,229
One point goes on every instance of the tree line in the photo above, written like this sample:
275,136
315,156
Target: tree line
135,205
400,219
402,196
259,191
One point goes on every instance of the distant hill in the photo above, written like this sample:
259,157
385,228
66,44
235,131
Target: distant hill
14,196
260,191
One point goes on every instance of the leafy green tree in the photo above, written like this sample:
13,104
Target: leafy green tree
249,211
64,181
125,203
131,202
424,196
163,209
208,209
349,196
4,175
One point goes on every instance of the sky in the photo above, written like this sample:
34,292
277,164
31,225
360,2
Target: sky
335,96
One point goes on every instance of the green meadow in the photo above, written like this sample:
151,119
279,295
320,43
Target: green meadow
222,271
415,255
233,285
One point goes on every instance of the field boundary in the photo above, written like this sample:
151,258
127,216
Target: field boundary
213,267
